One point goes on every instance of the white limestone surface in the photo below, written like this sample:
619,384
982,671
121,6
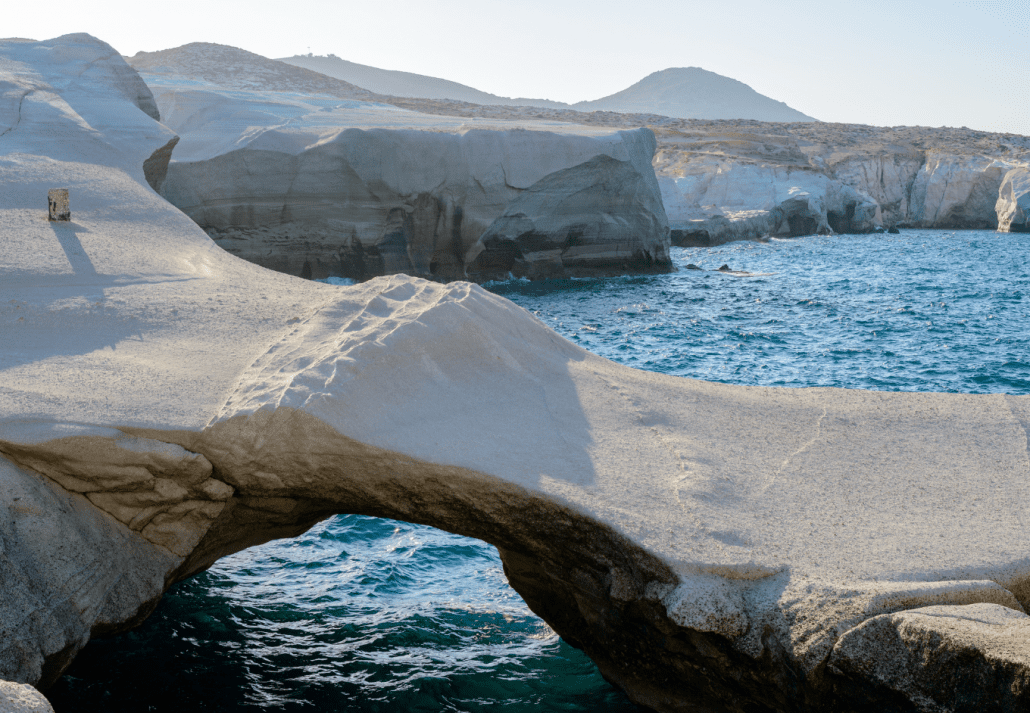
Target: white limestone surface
316,185
1014,201
802,512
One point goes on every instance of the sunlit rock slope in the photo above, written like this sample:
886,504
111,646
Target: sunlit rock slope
711,547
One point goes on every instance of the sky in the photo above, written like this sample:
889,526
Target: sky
887,63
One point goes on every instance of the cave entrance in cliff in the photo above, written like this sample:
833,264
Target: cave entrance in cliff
357,613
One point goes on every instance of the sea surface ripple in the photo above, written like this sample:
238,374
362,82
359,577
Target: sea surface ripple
360,614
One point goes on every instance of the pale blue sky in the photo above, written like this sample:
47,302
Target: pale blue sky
944,63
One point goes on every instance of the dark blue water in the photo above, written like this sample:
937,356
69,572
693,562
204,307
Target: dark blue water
361,614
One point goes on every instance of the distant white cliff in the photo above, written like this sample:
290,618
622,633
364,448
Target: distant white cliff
725,181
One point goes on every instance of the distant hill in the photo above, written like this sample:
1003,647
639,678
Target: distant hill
407,84
686,93
234,68
694,93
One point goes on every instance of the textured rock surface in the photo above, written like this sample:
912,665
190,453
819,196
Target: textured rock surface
68,571
399,191
594,218
1013,205
22,698
941,658
711,547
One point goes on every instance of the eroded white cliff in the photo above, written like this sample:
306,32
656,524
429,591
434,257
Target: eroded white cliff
1013,206
722,183
315,186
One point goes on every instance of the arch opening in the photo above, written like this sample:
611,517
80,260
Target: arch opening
356,613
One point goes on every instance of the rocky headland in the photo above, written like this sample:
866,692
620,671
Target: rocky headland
732,180
712,547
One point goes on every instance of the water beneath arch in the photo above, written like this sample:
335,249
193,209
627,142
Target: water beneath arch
360,614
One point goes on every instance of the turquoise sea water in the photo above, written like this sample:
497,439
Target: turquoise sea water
362,614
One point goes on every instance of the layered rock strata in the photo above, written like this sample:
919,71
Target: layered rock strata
711,547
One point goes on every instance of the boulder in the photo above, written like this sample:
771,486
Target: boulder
22,698
1013,206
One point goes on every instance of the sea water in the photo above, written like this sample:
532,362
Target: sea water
360,614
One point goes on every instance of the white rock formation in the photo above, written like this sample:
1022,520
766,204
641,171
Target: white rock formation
720,180
584,220
316,187
958,191
727,182
730,200
1013,205
709,546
